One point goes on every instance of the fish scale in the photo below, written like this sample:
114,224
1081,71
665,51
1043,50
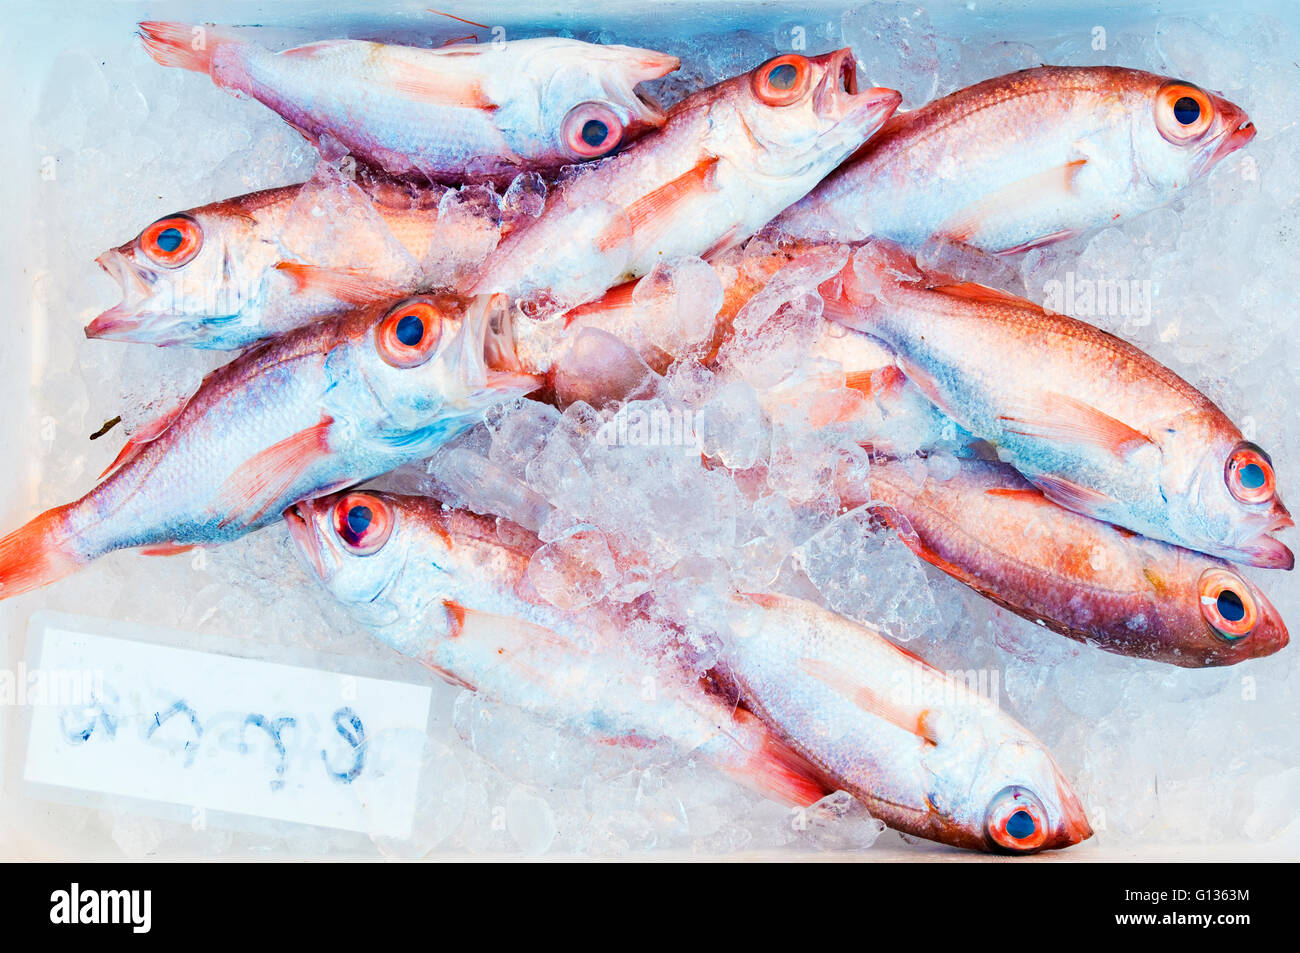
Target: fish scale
986,526
443,588
321,407
1099,426
1018,161
460,113
924,752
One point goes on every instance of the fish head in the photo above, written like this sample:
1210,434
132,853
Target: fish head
1232,620
176,277
800,116
427,366
1180,131
1234,498
355,543
1017,801
589,97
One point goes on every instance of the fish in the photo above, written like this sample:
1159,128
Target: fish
925,753
1024,160
727,159
1094,422
322,407
463,113
450,589
226,275
988,527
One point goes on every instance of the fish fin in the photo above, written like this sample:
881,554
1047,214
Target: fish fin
1066,419
145,434
925,382
1072,496
971,291
924,552
615,299
259,482
775,768
1050,184
908,718
167,549
1018,493
173,44
346,284
1039,242
736,233
455,617
651,213
435,87
308,50
37,554
886,382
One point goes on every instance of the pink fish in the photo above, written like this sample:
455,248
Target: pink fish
461,113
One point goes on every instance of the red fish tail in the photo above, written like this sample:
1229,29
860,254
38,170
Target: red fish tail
38,554
180,44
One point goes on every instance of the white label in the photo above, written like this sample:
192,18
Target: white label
221,733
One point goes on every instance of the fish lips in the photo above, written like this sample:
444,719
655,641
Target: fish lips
837,95
1267,552
122,321
300,519
1238,131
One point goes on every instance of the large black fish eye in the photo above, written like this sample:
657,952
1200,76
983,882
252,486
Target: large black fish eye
1187,110
1230,606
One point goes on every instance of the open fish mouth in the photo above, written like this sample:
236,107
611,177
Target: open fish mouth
837,95
301,529
122,321
1266,552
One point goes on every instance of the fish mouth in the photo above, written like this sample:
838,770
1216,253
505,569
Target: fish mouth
838,97
643,112
1266,552
1074,826
303,532
122,321
1240,132
651,64
492,369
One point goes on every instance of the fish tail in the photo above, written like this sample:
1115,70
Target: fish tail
180,44
38,554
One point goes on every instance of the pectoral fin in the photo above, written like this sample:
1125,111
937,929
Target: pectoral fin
907,717
351,285
263,480
144,434
1072,496
1067,420
1032,191
653,213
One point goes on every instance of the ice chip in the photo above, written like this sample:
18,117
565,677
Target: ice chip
574,571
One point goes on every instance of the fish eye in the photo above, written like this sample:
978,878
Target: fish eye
362,522
172,241
409,334
1227,604
1249,474
591,130
782,81
1187,110
1183,113
1016,820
